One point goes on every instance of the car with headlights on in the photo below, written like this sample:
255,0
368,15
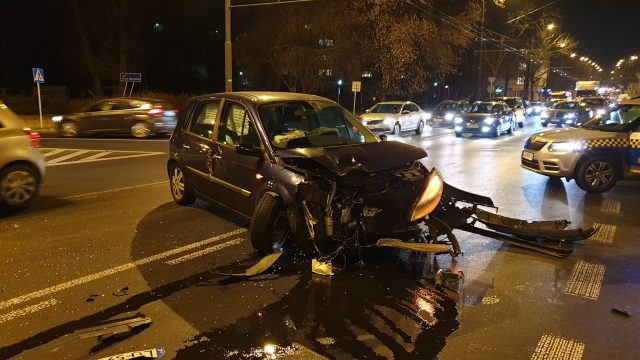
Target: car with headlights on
569,113
535,108
516,105
299,167
22,165
597,104
596,154
139,117
444,113
489,118
395,117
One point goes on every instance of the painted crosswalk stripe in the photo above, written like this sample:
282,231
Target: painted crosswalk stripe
106,159
51,152
551,347
611,207
606,233
95,276
206,251
66,157
97,156
27,310
585,280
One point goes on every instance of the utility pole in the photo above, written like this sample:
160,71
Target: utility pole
480,55
528,94
228,68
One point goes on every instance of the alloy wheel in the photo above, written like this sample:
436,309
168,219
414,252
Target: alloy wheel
69,129
177,183
18,187
140,130
599,174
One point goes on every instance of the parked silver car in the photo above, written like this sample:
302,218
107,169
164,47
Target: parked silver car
22,165
395,116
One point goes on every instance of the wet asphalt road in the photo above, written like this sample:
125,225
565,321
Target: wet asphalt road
105,242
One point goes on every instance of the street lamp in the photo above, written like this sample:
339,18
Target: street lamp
339,87
551,26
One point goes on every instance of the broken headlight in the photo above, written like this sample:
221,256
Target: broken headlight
429,198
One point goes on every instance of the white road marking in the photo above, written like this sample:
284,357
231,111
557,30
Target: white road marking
68,156
606,233
98,155
106,139
88,278
551,347
106,159
206,251
585,280
27,310
51,152
96,193
611,207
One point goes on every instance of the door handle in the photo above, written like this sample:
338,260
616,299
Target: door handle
185,146
217,157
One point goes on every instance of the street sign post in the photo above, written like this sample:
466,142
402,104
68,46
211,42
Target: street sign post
356,87
127,78
38,78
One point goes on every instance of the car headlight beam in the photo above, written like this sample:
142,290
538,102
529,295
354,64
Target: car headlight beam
448,116
457,120
570,146
489,120
429,198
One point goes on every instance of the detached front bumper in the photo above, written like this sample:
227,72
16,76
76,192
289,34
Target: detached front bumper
545,162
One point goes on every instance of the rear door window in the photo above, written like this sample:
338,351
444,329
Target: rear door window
204,119
100,106
124,105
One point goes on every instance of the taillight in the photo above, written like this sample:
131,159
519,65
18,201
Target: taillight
155,112
35,137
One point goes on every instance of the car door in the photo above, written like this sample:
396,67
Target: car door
91,118
118,118
199,151
240,155
406,118
107,117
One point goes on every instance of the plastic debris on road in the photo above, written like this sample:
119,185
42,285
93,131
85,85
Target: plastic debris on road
140,354
321,267
263,265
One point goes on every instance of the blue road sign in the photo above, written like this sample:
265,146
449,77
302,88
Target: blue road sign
38,75
130,77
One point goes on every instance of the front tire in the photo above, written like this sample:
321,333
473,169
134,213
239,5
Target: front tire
269,224
458,134
596,175
180,192
496,132
396,129
69,129
420,128
19,185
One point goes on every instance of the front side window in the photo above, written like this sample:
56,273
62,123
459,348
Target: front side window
100,106
301,124
621,119
237,127
204,119
124,105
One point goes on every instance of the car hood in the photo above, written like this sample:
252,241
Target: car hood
371,158
573,134
376,116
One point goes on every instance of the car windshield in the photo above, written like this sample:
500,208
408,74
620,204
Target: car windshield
594,102
303,124
484,108
511,102
617,120
446,106
386,108
565,105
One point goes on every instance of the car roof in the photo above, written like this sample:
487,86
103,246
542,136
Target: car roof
395,102
263,97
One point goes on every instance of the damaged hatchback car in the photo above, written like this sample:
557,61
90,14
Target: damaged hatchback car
301,167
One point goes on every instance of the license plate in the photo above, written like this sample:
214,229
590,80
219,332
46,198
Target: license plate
527,155
473,126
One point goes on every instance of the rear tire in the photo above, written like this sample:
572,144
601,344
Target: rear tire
458,134
597,174
180,192
140,130
420,128
69,129
269,224
19,186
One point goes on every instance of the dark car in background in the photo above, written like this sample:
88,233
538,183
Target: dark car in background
139,117
299,165
570,113
516,105
597,104
486,118
445,112
535,108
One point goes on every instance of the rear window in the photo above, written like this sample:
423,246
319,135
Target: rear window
8,118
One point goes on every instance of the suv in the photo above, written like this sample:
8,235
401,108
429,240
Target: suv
596,154
139,117
300,167
516,105
21,163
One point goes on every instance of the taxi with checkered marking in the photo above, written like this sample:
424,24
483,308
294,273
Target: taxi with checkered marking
597,154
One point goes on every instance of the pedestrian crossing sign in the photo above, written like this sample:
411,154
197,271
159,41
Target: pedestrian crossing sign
38,75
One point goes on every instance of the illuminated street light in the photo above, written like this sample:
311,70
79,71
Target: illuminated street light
562,45
573,55
551,26
634,57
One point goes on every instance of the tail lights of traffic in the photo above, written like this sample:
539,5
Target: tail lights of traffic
35,137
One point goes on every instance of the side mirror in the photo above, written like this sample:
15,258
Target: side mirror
383,137
367,111
405,112
249,150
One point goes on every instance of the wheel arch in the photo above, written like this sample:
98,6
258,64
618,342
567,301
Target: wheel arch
614,156
22,162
